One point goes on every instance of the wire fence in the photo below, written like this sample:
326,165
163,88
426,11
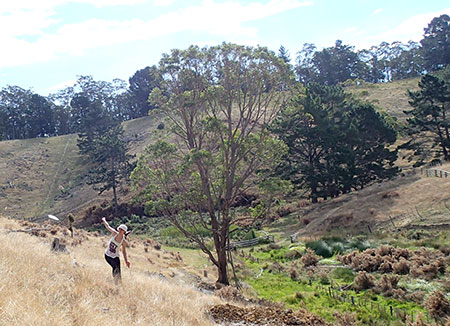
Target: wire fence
438,173
388,314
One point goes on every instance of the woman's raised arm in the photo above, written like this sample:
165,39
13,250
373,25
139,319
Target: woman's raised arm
110,229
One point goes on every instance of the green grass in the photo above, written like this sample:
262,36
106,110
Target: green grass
311,290
368,306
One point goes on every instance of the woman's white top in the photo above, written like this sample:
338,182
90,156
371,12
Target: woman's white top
113,247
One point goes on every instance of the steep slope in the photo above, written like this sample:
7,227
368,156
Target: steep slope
391,97
46,175
412,201
44,288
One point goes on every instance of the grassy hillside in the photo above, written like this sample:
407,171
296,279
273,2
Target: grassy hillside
411,201
46,175
390,97
43,176
43,288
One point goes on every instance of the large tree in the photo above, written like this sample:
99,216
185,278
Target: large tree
142,83
330,66
334,144
110,161
221,101
77,99
436,43
430,118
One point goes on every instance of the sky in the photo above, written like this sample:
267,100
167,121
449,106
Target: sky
46,44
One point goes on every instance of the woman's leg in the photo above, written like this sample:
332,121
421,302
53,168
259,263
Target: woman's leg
116,269
115,264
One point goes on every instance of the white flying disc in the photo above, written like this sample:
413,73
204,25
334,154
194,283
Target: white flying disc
53,217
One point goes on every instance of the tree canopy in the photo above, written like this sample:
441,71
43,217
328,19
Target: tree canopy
430,118
221,100
436,43
335,143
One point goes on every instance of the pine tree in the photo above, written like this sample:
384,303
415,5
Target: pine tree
111,161
430,116
335,144
283,54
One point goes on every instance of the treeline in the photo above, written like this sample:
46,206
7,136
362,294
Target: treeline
24,114
76,109
383,63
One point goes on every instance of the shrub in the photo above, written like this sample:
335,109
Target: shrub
401,267
321,248
323,278
416,296
418,322
293,273
309,258
438,305
295,298
345,319
445,282
390,194
275,267
385,267
387,285
363,281
292,254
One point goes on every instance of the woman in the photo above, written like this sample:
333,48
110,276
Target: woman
112,251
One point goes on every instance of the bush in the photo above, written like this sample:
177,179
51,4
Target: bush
416,296
309,258
401,267
345,319
321,248
292,254
387,285
438,305
295,298
422,263
363,281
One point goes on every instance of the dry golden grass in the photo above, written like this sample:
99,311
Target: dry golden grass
391,97
410,200
42,176
42,288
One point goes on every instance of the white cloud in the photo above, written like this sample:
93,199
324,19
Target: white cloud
377,11
410,29
62,85
216,18
14,6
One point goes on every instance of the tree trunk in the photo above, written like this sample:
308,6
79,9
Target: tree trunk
116,206
222,266
447,133
442,141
